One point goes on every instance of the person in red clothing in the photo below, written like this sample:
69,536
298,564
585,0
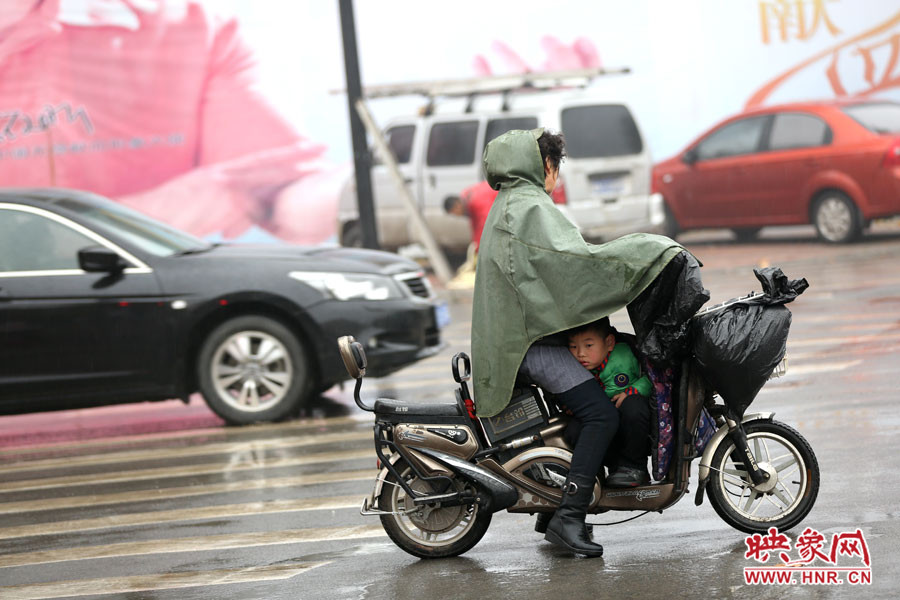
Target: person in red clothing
475,202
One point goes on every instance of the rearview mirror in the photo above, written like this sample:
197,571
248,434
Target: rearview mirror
98,259
353,355
689,157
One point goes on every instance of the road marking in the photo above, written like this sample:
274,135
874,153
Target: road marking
421,369
159,494
853,327
158,581
191,544
890,317
797,358
106,458
418,383
845,340
852,285
822,367
879,327
460,339
204,434
182,514
245,463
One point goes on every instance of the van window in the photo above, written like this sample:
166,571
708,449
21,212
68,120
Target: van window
452,143
793,130
599,131
400,139
497,127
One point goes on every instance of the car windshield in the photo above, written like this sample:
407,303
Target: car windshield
877,118
147,234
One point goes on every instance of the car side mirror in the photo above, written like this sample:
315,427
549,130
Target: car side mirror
353,355
689,157
98,259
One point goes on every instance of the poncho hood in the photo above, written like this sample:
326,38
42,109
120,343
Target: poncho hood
512,160
536,275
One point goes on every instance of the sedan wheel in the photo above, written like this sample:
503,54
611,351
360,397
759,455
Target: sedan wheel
671,228
352,237
745,234
835,218
252,369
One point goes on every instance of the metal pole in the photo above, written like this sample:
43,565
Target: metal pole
361,160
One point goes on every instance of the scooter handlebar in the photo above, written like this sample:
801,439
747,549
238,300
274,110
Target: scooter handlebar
467,367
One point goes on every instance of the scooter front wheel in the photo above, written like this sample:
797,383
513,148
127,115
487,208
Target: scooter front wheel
784,499
429,531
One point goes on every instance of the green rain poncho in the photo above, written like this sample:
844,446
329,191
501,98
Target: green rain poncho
536,275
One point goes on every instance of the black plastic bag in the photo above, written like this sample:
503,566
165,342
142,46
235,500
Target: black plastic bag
661,315
777,288
737,347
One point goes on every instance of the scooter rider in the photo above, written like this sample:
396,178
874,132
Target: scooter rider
528,258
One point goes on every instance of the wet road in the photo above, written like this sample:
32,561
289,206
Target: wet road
271,511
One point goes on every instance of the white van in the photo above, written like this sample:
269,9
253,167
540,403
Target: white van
604,182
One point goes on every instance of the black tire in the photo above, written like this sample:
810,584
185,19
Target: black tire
746,234
780,450
836,218
453,529
352,235
268,366
671,228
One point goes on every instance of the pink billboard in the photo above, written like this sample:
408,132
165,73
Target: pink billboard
154,104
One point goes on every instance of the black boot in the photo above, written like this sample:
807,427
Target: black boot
567,528
540,525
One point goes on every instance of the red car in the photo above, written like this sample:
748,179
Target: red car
833,164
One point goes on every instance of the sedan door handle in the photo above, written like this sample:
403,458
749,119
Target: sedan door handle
4,296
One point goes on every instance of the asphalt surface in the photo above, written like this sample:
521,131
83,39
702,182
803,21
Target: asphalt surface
162,501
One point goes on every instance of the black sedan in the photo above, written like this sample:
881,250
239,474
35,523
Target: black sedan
100,305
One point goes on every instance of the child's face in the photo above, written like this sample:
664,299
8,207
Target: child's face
590,348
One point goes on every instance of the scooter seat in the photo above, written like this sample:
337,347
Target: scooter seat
399,407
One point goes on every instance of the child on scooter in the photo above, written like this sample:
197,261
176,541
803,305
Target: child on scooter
617,369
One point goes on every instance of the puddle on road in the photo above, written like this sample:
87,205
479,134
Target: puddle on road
357,550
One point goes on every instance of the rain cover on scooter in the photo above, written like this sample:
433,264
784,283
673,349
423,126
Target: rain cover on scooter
661,315
536,275
738,346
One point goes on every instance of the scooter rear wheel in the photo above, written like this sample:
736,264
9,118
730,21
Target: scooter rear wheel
429,531
782,501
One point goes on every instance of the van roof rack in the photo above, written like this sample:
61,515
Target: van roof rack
492,84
